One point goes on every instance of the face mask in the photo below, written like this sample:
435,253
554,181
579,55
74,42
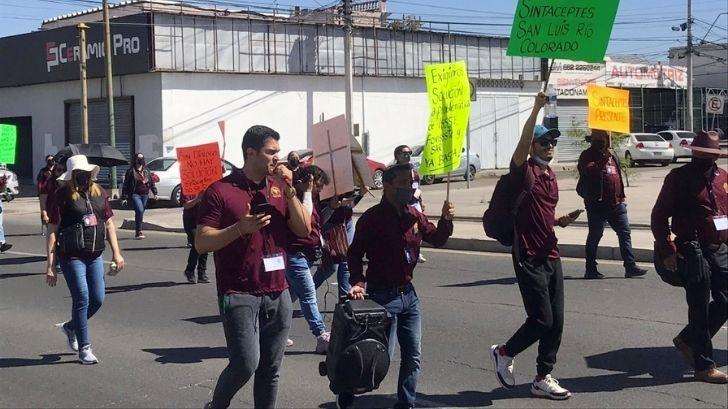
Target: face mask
294,162
599,144
82,180
140,161
403,196
703,163
540,161
50,163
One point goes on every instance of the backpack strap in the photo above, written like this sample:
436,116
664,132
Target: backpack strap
527,188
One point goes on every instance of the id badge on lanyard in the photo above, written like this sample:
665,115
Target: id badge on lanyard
720,222
89,219
274,262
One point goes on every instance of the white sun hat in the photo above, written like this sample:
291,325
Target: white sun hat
79,162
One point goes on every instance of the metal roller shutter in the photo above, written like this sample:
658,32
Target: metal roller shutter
98,129
573,124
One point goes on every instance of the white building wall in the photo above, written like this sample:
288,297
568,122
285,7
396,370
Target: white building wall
45,104
392,110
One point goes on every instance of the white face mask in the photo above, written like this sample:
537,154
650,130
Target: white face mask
540,161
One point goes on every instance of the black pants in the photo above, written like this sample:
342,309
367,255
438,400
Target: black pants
256,329
541,282
194,259
706,317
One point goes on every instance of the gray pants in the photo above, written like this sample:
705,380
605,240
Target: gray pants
256,329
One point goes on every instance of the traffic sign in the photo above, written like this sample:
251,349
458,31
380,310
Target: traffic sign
714,104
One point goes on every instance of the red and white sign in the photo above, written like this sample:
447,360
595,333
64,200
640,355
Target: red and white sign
714,104
199,166
626,75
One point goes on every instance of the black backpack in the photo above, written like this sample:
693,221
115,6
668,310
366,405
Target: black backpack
499,218
358,356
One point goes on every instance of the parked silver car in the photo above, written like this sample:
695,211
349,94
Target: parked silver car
680,140
639,148
165,172
12,185
416,159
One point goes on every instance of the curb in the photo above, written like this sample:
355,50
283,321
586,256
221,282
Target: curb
464,244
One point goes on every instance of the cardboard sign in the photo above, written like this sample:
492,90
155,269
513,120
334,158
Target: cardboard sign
8,142
362,173
199,166
448,89
563,29
608,108
332,153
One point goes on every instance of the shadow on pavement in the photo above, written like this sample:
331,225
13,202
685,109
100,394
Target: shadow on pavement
204,320
154,248
495,281
23,235
136,287
190,355
21,260
46,359
16,275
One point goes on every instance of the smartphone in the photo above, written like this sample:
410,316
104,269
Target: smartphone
263,208
576,213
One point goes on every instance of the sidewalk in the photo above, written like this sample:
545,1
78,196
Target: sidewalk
471,203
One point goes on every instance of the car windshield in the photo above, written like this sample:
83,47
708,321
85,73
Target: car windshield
649,137
160,164
417,150
684,135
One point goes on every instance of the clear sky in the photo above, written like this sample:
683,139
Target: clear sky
641,27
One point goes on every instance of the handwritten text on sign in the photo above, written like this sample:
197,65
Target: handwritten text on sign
8,142
564,29
608,108
449,93
199,166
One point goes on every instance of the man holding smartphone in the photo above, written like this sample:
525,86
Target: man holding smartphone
536,259
600,184
248,219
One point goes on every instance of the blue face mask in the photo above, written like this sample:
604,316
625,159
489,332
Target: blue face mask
404,196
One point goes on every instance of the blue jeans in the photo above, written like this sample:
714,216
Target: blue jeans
298,272
85,279
598,214
342,269
139,202
407,329
2,228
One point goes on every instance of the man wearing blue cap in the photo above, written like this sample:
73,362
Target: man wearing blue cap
536,258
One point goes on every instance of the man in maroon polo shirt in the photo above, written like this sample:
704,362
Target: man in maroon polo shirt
536,259
389,235
600,184
248,219
695,196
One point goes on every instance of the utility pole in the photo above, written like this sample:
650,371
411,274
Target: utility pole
690,66
347,63
109,87
84,90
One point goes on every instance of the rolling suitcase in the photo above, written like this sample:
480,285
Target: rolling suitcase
358,356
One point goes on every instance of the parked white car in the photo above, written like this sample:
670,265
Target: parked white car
639,148
12,186
416,159
680,140
165,172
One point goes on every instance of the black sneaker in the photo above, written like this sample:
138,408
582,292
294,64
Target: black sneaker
632,272
5,247
344,401
202,278
593,275
190,275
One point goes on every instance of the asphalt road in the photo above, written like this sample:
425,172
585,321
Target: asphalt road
160,342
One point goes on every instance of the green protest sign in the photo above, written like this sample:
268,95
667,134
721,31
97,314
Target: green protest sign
565,29
448,90
8,140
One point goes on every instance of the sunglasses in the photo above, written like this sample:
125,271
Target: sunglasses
547,142
406,153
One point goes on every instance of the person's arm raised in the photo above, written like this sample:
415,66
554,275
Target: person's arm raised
524,144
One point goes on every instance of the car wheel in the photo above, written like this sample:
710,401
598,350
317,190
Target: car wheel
628,158
427,180
666,163
378,177
177,196
674,159
471,173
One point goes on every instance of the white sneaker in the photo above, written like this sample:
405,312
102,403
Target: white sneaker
422,259
86,356
289,342
503,366
70,336
322,343
549,388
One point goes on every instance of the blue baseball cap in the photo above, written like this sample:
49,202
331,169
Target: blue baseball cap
541,132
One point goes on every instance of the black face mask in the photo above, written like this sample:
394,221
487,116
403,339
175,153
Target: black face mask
703,163
140,161
50,163
294,162
82,180
599,144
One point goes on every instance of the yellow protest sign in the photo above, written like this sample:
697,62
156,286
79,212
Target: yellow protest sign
608,108
448,90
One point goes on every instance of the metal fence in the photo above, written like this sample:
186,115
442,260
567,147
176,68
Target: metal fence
194,43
